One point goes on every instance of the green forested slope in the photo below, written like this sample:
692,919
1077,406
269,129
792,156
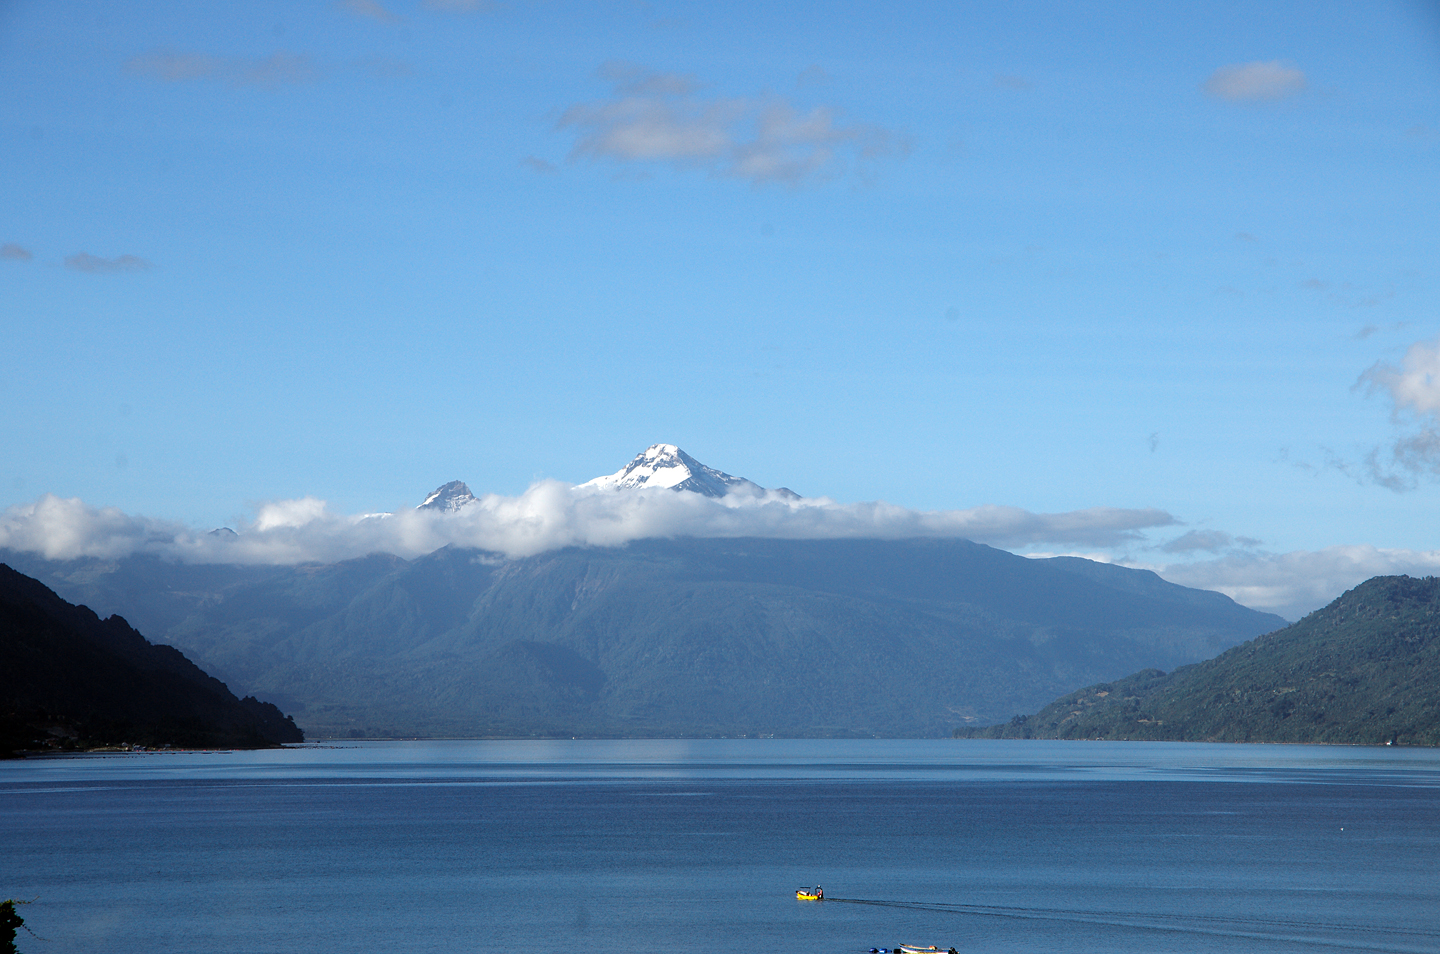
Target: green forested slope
1363,670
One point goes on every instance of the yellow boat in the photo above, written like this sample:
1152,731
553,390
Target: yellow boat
816,893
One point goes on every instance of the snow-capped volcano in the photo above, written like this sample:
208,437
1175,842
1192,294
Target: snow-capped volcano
448,498
665,465
659,466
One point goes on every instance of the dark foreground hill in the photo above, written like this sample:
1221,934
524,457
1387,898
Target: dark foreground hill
686,637
71,679
1364,670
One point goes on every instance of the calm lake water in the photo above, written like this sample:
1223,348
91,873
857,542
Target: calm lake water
699,846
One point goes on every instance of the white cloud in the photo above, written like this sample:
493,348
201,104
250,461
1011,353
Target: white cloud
1296,583
1415,383
547,516
550,515
289,514
659,117
61,529
648,127
1255,82
1413,387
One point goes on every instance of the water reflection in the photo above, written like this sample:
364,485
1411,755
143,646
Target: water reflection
849,759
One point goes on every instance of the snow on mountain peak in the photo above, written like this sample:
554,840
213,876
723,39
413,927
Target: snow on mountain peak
665,465
448,498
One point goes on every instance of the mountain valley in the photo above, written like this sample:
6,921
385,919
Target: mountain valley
664,636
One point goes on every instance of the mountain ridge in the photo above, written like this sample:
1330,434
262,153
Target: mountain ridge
688,636
72,679
1364,669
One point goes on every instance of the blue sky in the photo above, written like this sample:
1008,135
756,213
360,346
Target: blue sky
1175,259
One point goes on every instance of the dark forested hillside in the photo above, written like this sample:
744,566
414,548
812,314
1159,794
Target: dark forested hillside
1363,670
71,679
667,637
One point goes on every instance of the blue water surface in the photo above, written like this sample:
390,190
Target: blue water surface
699,845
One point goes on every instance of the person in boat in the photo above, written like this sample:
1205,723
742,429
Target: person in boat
819,892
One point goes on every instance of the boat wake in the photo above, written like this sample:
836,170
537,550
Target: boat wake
1333,934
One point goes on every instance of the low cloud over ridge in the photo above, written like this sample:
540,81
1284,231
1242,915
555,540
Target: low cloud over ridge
1296,583
549,515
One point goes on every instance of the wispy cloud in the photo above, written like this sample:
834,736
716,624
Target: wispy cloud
1256,82
549,515
460,6
369,9
655,117
1012,82
171,67
11,252
85,262
1414,384
1413,388
1207,541
278,69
